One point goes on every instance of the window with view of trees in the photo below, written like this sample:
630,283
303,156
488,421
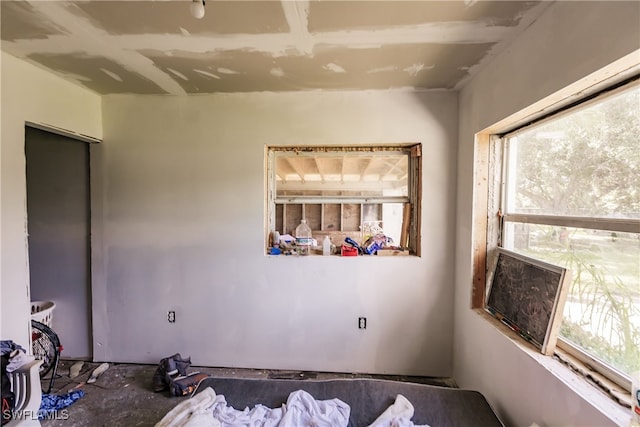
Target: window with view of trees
569,194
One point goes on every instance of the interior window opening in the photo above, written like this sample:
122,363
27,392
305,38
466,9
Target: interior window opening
366,198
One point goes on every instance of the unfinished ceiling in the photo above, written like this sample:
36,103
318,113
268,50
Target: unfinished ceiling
158,47
336,174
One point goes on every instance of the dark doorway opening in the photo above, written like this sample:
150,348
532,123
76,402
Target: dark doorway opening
58,222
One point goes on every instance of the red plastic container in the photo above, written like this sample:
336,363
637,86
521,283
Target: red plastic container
348,250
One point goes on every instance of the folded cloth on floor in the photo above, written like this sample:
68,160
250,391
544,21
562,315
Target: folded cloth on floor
399,414
53,402
300,410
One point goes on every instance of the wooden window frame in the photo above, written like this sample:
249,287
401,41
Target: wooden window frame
488,216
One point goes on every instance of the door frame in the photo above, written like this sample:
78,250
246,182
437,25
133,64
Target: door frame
95,216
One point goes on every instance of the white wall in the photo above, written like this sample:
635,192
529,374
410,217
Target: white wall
570,41
29,94
184,205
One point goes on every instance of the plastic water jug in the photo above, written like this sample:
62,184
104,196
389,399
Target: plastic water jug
303,238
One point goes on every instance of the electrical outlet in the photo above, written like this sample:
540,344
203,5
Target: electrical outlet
362,323
171,316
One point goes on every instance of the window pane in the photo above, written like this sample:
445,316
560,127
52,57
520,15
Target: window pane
376,174
602,311
584,163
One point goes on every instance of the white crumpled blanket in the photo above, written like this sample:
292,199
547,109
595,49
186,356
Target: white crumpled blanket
206,409
300,410
397,415
194,412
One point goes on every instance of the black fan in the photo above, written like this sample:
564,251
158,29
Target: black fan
46,346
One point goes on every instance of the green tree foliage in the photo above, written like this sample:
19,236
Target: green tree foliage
583,164
587,163
604,283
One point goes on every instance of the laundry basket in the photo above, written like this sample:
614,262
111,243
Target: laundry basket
42,311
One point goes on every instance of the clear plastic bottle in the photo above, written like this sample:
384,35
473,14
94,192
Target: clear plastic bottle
303,238
326,246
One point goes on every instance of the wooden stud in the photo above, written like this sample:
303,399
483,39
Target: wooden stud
406,222
480,221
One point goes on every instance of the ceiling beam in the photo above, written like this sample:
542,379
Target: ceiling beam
403,171
320,170
295,168
369,162
338,186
